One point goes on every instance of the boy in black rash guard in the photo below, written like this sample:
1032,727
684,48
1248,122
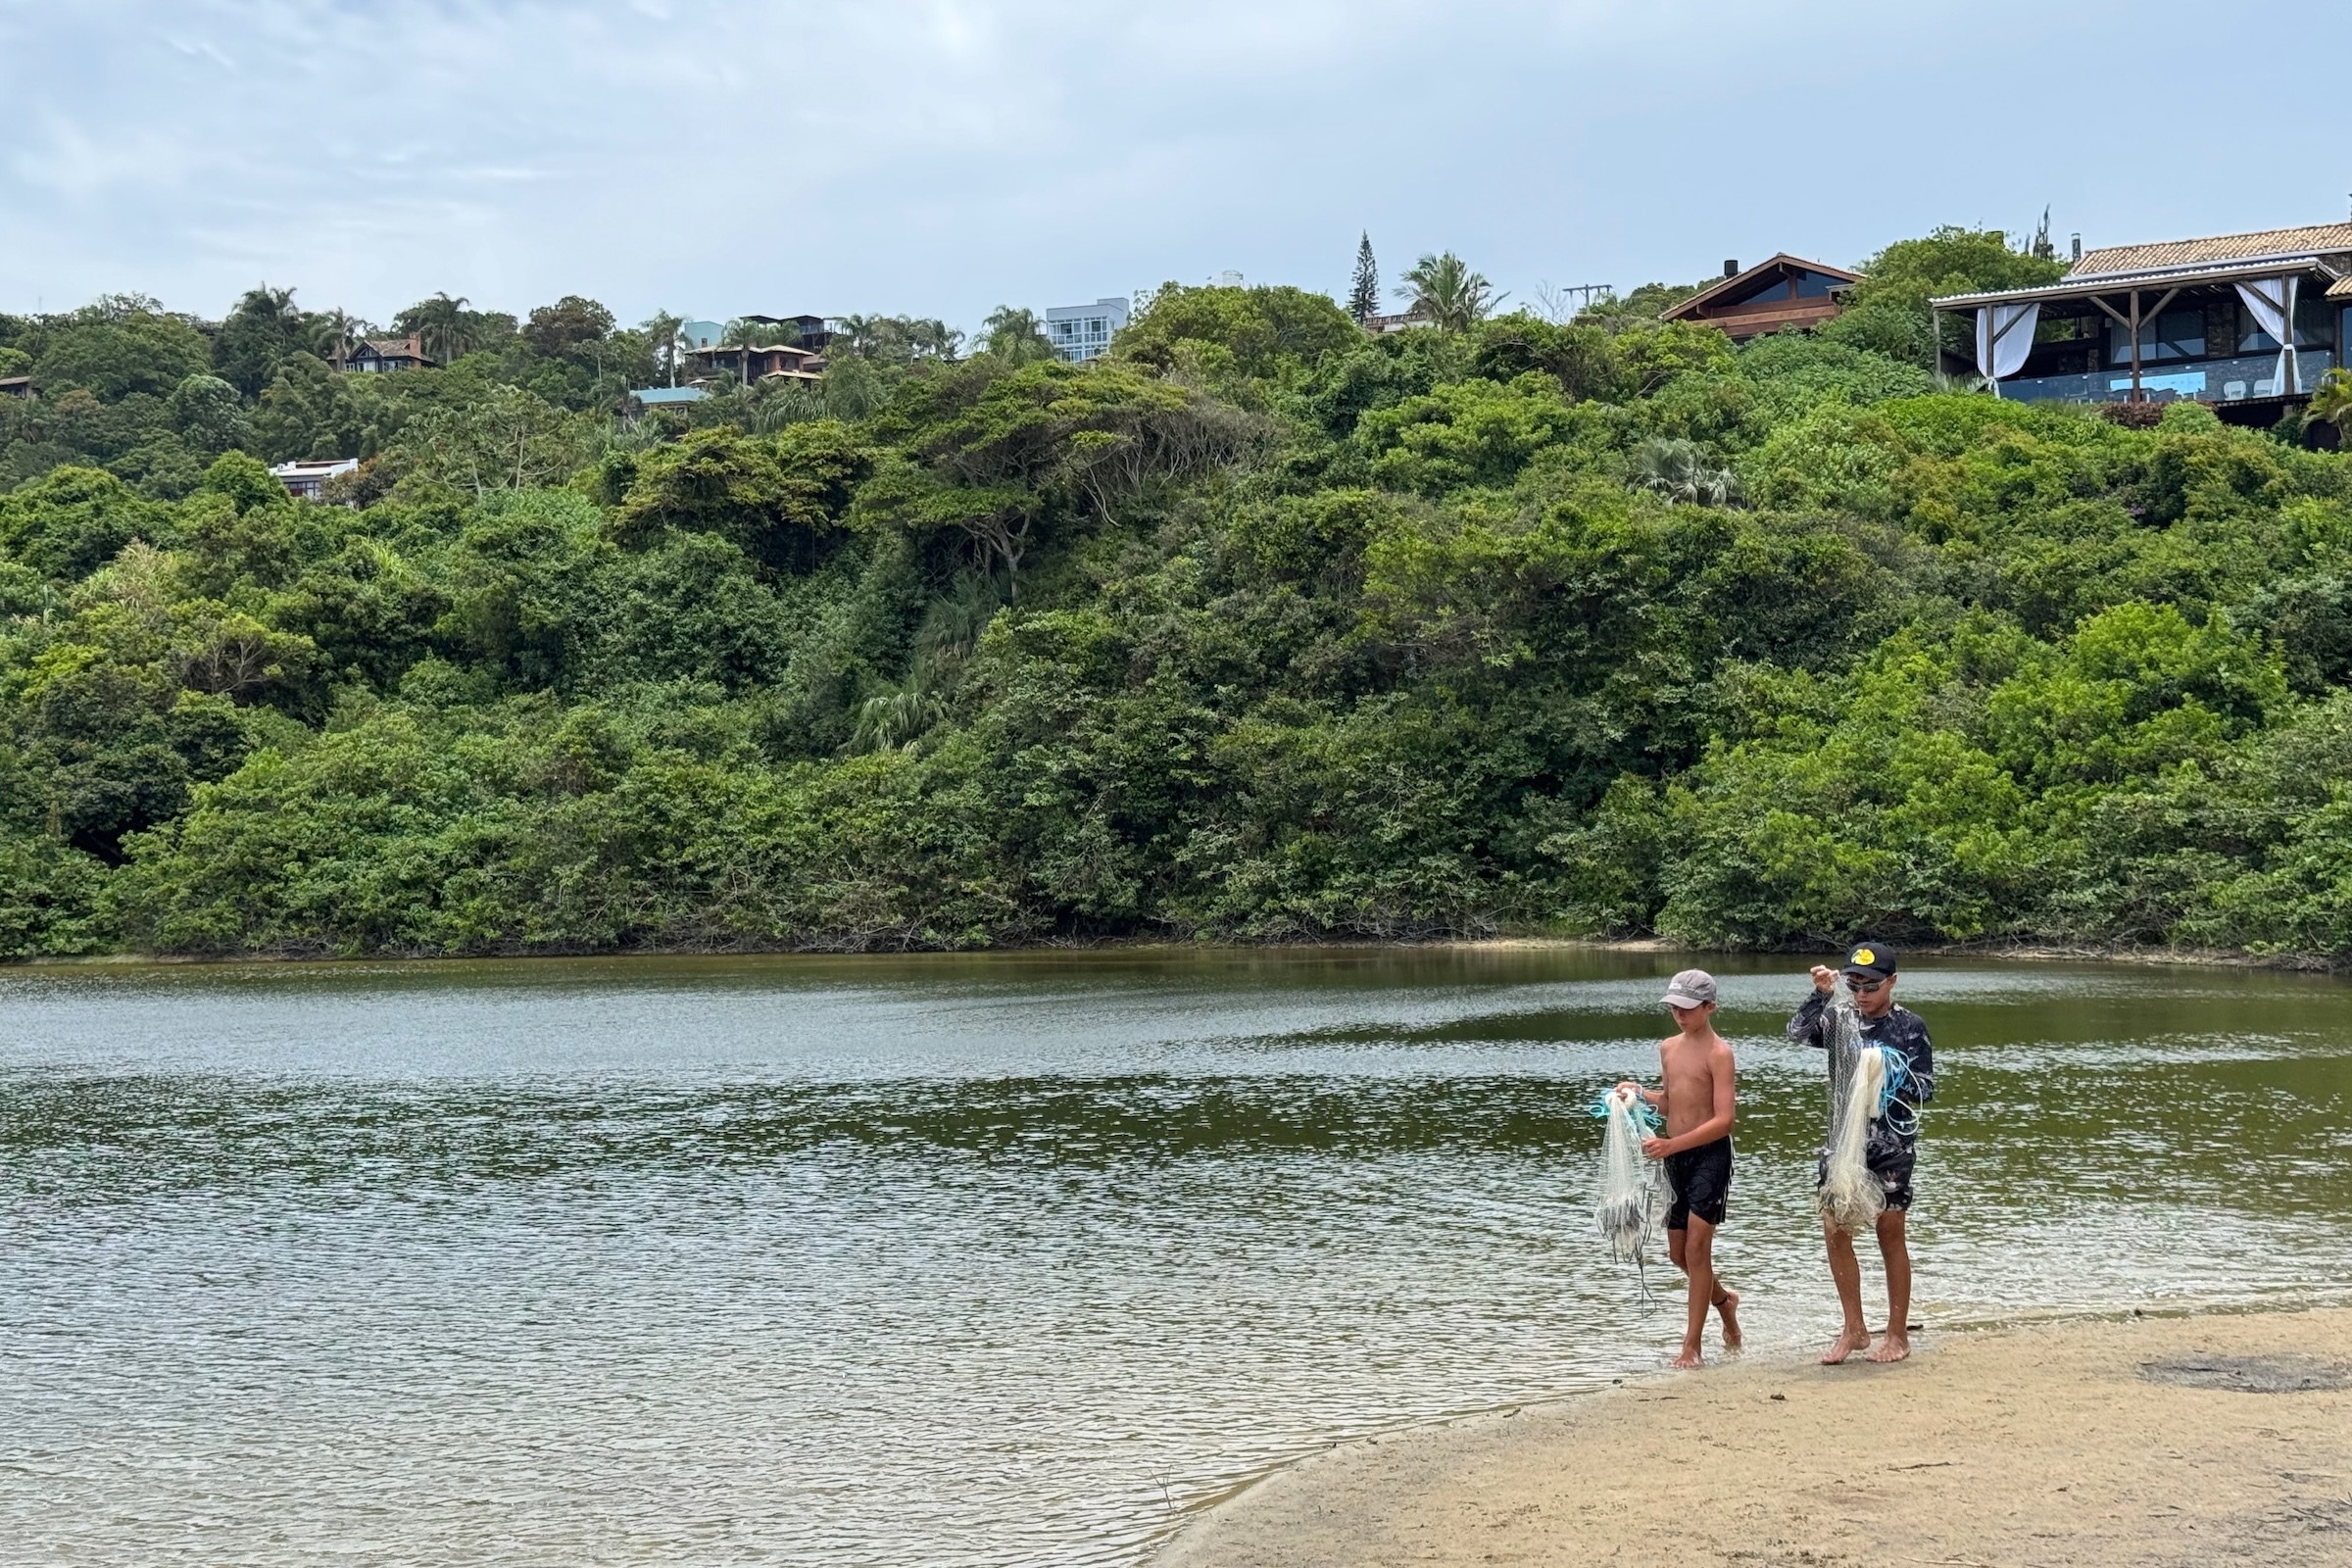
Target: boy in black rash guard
1697,1099
1893,1147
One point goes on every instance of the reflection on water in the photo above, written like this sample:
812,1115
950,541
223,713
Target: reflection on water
982,1260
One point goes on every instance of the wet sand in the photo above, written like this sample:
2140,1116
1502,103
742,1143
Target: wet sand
2149,1441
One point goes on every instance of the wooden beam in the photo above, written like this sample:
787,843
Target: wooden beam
2137,394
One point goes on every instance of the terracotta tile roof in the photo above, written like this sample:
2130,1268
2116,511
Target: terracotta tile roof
2318,239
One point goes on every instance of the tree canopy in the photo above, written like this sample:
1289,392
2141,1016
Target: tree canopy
1261,627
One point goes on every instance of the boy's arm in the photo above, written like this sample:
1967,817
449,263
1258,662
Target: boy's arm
1922,1085
1805,1028
1725,1073
1655,1096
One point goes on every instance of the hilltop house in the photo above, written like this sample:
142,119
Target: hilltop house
747,363
1784,292
377,354
16,386
1381,325
811,334
2246,322
304,480
649,398
1082,332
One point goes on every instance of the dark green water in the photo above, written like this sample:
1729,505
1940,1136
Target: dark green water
999,1261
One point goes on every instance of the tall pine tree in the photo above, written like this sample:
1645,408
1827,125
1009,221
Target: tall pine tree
1363,300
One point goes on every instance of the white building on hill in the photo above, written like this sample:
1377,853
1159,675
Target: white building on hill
1081,333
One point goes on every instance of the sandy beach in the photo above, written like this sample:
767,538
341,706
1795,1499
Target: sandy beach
2154,1440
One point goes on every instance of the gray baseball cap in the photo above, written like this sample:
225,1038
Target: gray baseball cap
1693,988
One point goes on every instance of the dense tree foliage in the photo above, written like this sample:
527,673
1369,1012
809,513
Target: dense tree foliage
1259,627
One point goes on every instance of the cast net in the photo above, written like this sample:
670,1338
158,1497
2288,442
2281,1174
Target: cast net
1851,1195
1631,1195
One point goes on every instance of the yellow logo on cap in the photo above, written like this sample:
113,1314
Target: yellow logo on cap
1865,955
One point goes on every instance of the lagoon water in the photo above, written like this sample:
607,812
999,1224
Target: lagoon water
989,1260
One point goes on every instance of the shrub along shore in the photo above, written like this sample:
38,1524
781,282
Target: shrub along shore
1260,629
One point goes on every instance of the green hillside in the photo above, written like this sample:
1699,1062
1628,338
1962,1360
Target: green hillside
1259,629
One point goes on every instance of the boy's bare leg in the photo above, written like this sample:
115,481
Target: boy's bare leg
1676,1245
1726,1301
1897,1249
1847,1270
1696,1256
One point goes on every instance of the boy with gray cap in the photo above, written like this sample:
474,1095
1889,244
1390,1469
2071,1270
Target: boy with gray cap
1697,1068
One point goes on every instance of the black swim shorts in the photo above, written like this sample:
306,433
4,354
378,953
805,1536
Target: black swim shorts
1701,1180
1889,1158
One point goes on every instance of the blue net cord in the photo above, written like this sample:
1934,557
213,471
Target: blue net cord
1644,1113
1902,1120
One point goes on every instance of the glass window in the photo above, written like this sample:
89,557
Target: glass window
2178,335
1813,285
2313,325
1778,292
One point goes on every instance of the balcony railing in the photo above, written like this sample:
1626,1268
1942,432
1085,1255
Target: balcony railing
2229,380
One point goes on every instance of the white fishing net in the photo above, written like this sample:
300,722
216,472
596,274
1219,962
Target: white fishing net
1851,1197
1631,1206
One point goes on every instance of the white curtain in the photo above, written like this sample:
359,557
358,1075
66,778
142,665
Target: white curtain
2271,303
2005,337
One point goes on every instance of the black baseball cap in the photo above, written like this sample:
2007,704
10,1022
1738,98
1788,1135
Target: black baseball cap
1874,958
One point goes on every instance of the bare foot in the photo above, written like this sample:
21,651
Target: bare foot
1848,1344
1688,1359
1729,1306
1892,1347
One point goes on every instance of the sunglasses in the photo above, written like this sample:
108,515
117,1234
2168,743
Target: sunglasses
1864,988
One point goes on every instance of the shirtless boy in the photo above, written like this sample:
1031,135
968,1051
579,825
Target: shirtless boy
1697,1068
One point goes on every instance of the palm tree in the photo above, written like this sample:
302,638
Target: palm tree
332,334
1443,290
439,325
898,720
661,333
745,333
933,338
861,335
1015,335
1679,471
2332,399
272,305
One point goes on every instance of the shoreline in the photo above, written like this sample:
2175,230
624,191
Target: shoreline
2018,952
2169,1435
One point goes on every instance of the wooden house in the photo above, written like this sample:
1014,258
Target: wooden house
1784,292
744,363
2246,322
379,354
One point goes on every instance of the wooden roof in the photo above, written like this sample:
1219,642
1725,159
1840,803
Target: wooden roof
395,347
1705,296
2317,239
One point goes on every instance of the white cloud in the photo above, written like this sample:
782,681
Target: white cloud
939,156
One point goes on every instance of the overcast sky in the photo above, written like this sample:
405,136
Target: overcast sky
939,157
